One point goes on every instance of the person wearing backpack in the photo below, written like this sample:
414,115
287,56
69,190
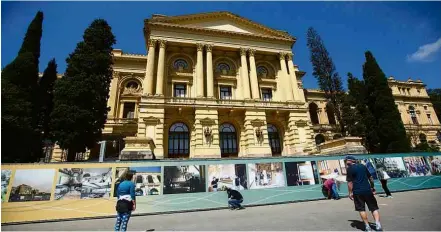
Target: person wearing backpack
126,202
383,176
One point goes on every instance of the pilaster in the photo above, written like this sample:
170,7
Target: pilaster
210,81
299,137
207,134
113,93
255,135
200,71
151,125
285,78
293,79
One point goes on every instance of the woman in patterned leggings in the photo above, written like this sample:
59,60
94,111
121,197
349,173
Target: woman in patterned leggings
126,202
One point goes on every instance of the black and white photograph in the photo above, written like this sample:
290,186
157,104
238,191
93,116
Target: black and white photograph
394,166
223,176
266,175
83,183
300,173
32,185
184,179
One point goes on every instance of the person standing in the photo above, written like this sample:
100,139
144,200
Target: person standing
126,202
361,191
383,176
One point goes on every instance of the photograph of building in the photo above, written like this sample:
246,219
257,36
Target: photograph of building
6,176
417,166
332,169
146,179
32,185
83,183
184,179
224,176
394,167
266,175
300,173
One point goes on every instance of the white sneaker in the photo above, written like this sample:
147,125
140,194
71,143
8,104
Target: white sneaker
390,197
378,227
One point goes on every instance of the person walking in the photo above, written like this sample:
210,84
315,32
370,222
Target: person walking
126,202
383,176
361,191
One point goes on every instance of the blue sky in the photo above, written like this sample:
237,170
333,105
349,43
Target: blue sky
405,37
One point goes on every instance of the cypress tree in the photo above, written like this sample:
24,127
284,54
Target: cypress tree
325,72
46,92
389,127
80,98
19,94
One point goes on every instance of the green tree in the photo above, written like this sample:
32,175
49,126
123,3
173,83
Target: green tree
80,97
388,124
435,98
19,99
46,93
324,71
358,119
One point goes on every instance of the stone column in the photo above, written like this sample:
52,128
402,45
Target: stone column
293,77
210,81
160,73
253,76
285,77
148,80
200,71
245,79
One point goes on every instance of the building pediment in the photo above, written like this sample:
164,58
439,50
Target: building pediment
219,21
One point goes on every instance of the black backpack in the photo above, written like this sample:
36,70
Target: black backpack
124,206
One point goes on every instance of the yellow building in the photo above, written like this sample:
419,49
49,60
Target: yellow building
411,98
212,85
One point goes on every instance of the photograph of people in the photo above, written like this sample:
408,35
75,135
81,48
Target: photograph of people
435,163
417,166
184,179
394,166
266,175
223,176
332,169
299,173
146,179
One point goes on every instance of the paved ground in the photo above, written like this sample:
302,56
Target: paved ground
409,211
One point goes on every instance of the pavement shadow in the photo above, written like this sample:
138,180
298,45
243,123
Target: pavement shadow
358,224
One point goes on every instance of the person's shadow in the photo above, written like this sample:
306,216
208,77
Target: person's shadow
359,224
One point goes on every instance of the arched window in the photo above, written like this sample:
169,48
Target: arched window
274,140
313,113
413,115
180,65
330,113
150,179
139,179
423,138
262,72
228,140
319,139
178,140
223,68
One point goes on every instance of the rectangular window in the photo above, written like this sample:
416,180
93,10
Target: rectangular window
267,94
180,90
129,110
430,119
225,92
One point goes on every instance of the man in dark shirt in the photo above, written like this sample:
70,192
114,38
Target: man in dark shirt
234,199
361,191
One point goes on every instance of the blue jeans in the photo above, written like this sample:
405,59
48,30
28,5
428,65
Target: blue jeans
235,203
122,220
334,191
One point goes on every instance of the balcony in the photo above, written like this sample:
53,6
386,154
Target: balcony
223,103
420,127
325,127
122,121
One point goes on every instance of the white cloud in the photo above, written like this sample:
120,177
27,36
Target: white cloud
424,52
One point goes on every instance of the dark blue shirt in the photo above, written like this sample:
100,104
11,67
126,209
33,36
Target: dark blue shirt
359,175
126,188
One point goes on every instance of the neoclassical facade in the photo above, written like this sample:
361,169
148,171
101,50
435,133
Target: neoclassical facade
212,85
411,98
